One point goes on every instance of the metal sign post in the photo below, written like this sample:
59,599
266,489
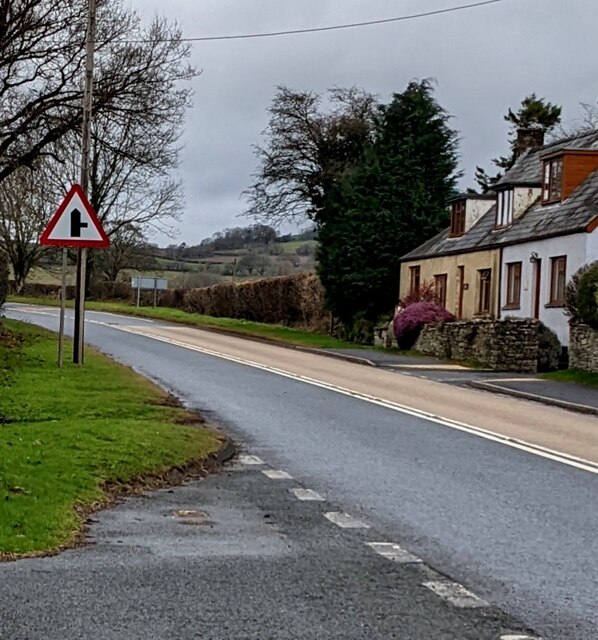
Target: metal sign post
62,309
85,146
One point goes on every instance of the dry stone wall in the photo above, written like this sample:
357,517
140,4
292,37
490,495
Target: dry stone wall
583,348
511,344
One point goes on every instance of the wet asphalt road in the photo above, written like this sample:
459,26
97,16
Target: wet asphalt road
516,529
260,566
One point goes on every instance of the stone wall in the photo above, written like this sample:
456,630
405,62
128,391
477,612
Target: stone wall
511,344
583,348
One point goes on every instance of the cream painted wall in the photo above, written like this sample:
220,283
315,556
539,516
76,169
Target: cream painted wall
448,265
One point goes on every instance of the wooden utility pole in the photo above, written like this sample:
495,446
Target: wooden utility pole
85,151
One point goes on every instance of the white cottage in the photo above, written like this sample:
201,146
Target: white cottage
546,225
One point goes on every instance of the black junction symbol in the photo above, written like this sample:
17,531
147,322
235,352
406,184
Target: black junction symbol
76,224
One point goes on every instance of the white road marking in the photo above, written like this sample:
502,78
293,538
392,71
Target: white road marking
307,495
345,521
455,593
250,460
514,443
277,474
393,552
522,445
516,637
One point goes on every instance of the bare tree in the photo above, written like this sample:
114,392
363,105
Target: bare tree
26,200
41,60
306,151
128,249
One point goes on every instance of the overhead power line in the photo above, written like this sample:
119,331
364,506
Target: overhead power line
338,27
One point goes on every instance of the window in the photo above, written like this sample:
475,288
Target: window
458,219
558,280
505,206
485,289
513,285
414,273
440,289
553,180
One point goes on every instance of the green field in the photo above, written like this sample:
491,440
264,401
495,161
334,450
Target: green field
66,434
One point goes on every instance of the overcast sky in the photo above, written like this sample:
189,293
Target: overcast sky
484,60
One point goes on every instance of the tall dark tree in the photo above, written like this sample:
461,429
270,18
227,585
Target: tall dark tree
389,204
534,113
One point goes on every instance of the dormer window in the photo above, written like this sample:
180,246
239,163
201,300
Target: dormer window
505,208
552,188
458,219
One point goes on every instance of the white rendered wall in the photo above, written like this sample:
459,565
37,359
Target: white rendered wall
577,249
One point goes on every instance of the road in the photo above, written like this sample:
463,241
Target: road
499,494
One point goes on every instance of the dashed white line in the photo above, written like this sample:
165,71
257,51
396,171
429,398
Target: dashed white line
455,593
393,552
277,474
518,637
250,460
345,521
307,495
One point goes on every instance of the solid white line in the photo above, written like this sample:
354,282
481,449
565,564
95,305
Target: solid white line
393,552
516,637
276,474
345,521
456,594
250,460
514,443
307,495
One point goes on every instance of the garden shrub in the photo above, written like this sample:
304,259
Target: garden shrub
587,297
426,292
550,350
408,324
571,293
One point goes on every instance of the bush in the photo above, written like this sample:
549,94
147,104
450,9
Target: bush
550,350
426,292
571,294
409,323
587,297
3,278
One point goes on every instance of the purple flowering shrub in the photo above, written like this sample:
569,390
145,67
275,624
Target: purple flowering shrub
409,323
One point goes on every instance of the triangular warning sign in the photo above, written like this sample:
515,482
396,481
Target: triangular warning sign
75,224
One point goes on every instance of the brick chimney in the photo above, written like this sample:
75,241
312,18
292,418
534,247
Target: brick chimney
529,138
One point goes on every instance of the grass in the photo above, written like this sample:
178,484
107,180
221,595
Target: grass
573,375
278,333
65,434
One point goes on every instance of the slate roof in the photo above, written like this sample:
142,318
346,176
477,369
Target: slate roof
540,221
527,169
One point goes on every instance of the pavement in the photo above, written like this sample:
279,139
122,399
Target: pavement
566,395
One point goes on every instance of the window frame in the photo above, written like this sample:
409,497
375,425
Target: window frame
414,275
552,180
484,292
458,218
505,206
441,278
513,277
558,281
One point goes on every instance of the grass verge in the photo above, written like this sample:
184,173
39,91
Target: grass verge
274,332
70,437
573,375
